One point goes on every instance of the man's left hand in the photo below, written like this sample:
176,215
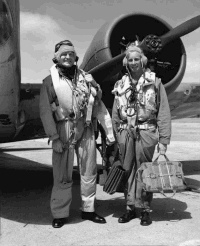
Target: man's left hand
162,148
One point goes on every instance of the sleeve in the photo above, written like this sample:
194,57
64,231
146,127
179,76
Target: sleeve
164,117
115,117
46,114
98,89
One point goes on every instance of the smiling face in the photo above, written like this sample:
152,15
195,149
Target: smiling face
65,55
67,59
134,62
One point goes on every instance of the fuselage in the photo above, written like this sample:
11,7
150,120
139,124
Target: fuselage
10,69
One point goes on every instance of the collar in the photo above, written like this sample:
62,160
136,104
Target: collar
67,72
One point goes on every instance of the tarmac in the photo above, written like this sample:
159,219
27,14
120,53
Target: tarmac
26,183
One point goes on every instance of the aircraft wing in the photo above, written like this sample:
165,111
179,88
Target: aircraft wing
184,102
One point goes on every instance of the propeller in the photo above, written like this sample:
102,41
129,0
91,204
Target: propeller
150,44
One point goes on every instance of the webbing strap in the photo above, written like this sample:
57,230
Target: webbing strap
89,109
146,126
90,101
162,177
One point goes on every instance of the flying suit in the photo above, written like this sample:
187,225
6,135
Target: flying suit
141,118
64,108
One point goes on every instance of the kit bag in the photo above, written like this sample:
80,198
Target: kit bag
114,179
162,176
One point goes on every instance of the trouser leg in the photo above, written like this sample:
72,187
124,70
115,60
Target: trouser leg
86,153
126,146
142,151
127,150
145,148
61,196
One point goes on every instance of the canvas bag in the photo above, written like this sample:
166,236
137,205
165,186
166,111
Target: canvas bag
114,179
162,176
117,177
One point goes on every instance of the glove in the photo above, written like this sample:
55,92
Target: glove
57,145
162,148
89,79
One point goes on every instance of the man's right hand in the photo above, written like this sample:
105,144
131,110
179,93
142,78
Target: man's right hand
57,145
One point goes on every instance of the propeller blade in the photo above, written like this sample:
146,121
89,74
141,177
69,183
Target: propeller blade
181,30
154,44
108,68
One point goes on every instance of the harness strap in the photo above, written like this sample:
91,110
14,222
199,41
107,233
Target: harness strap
58,110
90,101
89,109
145,126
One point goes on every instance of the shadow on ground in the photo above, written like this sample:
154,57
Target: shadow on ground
26,189
191,170
191,167
163,209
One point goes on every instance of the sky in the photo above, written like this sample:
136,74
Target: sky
43,23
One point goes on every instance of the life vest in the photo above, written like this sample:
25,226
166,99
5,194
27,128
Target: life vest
137,101
72,100
79,100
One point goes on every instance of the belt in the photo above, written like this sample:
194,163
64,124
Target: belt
145,126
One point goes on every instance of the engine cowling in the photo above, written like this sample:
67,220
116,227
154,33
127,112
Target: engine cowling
108,43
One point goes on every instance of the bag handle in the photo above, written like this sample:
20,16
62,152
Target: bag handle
159,156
